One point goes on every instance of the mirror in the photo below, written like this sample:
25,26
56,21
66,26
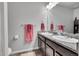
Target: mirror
63,13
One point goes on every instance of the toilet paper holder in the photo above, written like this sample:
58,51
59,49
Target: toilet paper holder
16,37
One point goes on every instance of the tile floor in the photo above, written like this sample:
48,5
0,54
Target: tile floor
30,53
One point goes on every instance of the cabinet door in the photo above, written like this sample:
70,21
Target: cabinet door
49,51
39,42
43,46
57,54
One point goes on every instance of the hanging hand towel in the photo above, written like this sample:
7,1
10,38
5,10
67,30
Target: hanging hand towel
51,27
61,27
28,32
42,27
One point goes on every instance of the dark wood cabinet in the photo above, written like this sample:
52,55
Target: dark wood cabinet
51,48
42,45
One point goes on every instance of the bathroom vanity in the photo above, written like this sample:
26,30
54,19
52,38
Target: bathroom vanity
50,46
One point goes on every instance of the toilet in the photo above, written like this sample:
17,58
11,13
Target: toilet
9,51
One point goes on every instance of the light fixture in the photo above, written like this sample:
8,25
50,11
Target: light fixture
51,5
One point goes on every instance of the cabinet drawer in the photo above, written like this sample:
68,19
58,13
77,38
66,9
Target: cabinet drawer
41,37
62,50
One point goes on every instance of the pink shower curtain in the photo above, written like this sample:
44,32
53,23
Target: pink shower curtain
28,32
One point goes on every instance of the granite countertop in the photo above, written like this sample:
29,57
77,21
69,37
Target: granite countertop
60,37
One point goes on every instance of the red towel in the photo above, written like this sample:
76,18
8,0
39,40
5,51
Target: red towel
42,27
51,27
28,32
61,27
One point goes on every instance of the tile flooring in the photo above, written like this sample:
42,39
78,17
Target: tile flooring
30,53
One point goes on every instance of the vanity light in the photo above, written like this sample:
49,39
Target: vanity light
51,5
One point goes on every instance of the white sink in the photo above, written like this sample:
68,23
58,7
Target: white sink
46,33
65,39
58,36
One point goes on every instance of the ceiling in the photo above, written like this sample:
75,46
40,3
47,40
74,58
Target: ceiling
72,5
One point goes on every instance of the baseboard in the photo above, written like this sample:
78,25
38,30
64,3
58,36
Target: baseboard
24,50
